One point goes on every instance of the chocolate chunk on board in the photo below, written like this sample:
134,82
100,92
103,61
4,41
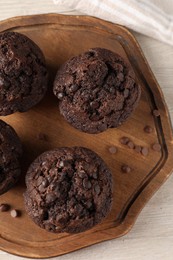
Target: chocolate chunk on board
148,129
112,149
126,168
144,151
156,147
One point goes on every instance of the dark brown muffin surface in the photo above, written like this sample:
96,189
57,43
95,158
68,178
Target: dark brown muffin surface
96,90
68,190
10,153
23,73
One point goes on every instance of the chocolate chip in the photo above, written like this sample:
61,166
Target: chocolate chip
144,151
61,164
59,217
156,147
137,148
86,166
57,191
50,178
78,208
50,197
130,144
52,186
4,207
37,175
148,129
42,137
39,180
125,168
53,171
95,175
43,163
156,113
86,184
60,95
73,88
97,188
112,149
118,67
94,104
38,197
45,183
41,188
88,204
50,227
124,140
82,174
58,228
112,90
126,93
63,219
14,213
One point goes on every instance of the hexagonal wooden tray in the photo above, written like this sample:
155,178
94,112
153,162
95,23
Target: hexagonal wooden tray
60,37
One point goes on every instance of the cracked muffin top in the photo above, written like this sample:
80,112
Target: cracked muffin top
96,90
68,190
23,73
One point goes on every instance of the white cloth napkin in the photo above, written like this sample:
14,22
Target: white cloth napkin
140,15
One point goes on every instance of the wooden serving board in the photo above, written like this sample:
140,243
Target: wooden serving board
61,37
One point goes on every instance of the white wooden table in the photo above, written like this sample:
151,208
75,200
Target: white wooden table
152,236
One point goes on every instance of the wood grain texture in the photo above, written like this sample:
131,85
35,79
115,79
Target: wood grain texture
131,193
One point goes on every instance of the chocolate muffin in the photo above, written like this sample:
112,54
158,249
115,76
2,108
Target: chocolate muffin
23,73
10,153
68,190
96,90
